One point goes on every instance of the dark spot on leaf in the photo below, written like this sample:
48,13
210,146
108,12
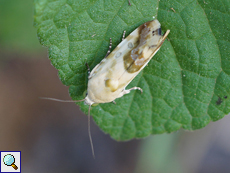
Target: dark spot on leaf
225,97
219,101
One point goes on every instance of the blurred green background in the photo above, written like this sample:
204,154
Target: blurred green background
17,32
53,136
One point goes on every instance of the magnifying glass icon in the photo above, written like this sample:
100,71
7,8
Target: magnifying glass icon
9,160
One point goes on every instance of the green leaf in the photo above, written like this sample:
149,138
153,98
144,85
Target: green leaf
186,84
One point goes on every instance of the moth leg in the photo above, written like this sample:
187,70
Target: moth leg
128,91
129,3
135,88
110,46
123,36
114,102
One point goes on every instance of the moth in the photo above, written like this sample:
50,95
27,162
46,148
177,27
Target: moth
108,79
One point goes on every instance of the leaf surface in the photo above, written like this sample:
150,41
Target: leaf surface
186,84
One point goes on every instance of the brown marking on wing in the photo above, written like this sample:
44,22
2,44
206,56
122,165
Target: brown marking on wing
112,84
135,59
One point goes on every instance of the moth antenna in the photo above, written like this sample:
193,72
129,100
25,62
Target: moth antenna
59,100
89,132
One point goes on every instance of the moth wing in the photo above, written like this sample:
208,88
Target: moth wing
148,41
110,77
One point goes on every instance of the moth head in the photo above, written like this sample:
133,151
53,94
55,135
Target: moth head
88,101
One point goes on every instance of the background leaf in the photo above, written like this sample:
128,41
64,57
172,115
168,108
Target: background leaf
16,33
186,84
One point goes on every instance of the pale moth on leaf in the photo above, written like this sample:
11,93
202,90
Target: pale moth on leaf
108,80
